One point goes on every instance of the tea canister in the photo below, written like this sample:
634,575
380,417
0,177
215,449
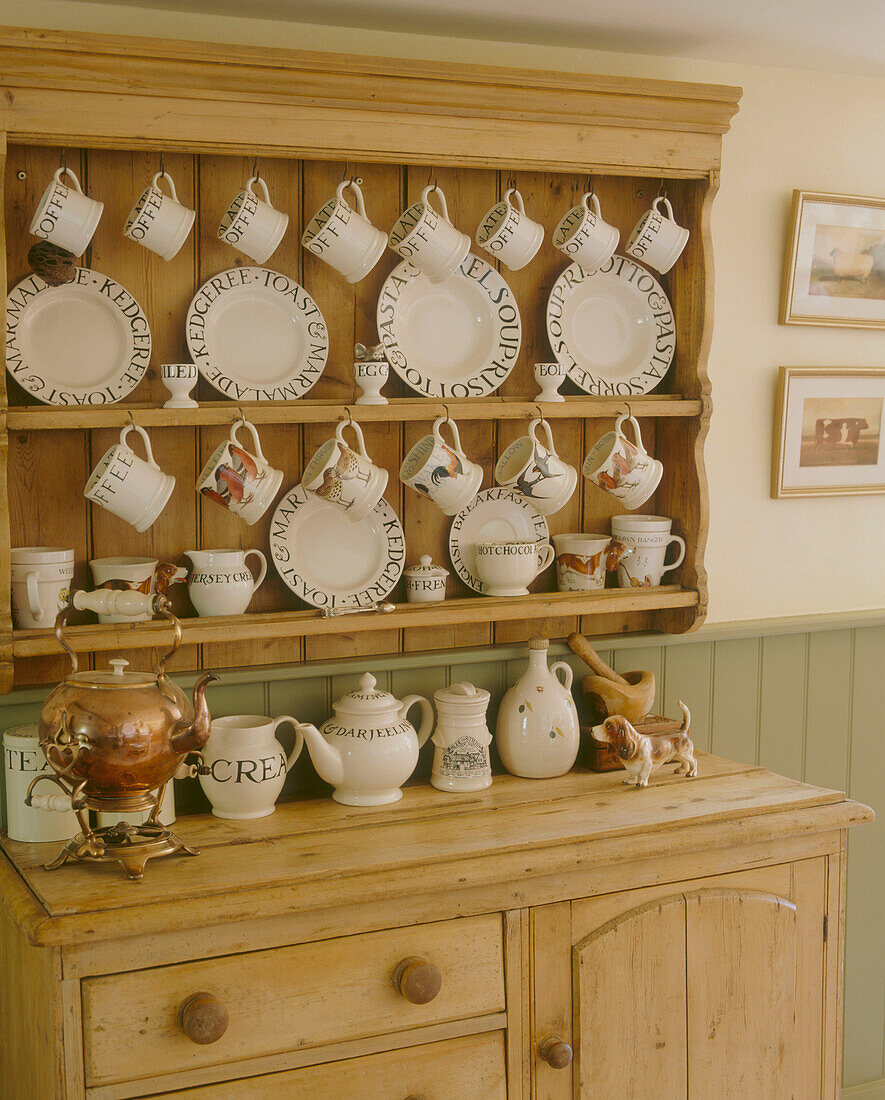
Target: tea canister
461,739
425,582
51,817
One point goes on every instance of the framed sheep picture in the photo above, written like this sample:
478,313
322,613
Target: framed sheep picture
828,432
835,269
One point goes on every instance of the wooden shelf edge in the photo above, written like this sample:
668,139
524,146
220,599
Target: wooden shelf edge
306,411
292,624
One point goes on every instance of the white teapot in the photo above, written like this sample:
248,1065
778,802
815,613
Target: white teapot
367,749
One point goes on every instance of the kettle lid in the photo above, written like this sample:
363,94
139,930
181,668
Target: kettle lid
366,699
116,678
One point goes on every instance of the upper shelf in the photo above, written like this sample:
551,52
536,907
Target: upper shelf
305,411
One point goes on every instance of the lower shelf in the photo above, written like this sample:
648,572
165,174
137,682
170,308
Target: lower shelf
293,624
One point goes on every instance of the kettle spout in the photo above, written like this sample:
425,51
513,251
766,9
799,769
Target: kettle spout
325,757
188,736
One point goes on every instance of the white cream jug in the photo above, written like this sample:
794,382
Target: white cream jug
220,582
247,764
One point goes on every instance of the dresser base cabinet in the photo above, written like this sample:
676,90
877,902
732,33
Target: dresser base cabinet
552,939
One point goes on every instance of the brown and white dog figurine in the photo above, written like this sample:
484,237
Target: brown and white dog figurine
642,753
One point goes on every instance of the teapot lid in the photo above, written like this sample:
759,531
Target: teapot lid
426,568
117,678
366,699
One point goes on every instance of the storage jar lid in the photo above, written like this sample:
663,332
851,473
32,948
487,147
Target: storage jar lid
366,699
425,568
462,694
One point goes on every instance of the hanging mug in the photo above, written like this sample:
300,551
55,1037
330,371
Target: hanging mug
536,471
441,470
242,481
252,226
159,221
344,237
345,477
624,469
427,238
584,237
657,240
509,234
133,488
65,215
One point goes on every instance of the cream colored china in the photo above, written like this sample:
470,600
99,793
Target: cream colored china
508,233
179,379
133,488
146,575
583,235
428,240
242,481
580,561
494,515
646,540
425,582
536,471
622,468
41,580
537,733
370,375
550,377
344,237
220,582
65,215
251,225
461,739
657,240
441,470
345,477
49,817
247,764
159,221
508,568
368,749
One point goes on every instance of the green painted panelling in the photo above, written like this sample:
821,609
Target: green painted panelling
827,708
649,659
782,704
308,701
865,944
688,675
735,721
421,681
872,1090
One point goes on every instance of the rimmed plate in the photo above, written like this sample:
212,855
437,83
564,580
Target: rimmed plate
86,342
257,335
329,560
458,338
494,515
613,330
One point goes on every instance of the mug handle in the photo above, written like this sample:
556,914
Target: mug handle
36,608
61,171
253,431
666,202
165,175
681,555
431,189
339,435
151,461
619,430
591,197
299,736
260,182
546,554
569,674
357,190
262,572
456,445
516,201
542,423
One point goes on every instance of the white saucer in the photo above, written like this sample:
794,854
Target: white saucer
457,338
613,330
494,515
329,560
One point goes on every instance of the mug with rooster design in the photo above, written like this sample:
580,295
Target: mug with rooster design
345,477
240,480
441,470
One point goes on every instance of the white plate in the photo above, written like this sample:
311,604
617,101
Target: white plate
459,338
613,330
83,343
494,515
257,335
331,561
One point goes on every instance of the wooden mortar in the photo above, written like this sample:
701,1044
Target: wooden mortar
633,699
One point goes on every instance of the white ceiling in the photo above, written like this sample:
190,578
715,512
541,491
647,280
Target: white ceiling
846,36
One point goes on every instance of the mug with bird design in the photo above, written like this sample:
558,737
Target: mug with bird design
441,470
345,477
536,471
241,481
624,469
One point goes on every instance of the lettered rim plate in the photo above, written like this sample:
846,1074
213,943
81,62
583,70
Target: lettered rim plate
51,330
255,360
303,521
478,338
623,295
493,515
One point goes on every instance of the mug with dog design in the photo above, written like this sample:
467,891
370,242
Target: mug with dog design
581,561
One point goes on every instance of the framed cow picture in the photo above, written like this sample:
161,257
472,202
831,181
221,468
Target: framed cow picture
828,432
835,268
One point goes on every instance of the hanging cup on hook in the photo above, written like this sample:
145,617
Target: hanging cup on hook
508,233
64,215
536,471
657,240
159,221
253,225
585,237
428,240
344,237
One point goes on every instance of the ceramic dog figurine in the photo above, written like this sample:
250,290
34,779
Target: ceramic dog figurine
641,753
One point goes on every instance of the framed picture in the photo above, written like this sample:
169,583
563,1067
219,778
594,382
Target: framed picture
828,432
835,269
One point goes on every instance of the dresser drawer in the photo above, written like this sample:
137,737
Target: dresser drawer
289,998
457,1069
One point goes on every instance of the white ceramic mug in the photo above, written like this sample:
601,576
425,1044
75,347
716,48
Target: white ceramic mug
344,237
344,477
584,237
508,568
133,488
179,379
509,234
159,221
550,377
220,582
41,581
645,540
251,225
50,817
146,575
657,240
624,469
536,471
428,240
441,470
65,215
242,481
247,765
581,562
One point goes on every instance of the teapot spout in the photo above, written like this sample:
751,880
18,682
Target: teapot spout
325,757
188,736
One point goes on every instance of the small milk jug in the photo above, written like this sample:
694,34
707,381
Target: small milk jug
461,739
538,733
220,582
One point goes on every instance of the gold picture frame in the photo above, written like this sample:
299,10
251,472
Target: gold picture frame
835,267
829,428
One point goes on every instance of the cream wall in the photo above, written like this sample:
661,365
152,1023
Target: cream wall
813,130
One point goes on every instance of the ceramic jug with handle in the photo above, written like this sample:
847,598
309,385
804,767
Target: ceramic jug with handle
368,749
246,766
220,582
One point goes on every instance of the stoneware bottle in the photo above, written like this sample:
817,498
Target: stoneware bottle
538,732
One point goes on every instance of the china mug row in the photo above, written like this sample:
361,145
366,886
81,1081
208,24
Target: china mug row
636,549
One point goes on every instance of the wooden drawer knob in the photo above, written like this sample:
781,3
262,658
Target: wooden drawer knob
417,980
203,1018
555,1052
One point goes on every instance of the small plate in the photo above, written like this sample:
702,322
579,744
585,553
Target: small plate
82,343
494,515
458,338
257,335
613,330
329,560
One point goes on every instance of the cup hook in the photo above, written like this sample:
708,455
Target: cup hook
629,410
511,183
448,414
131,418
241,416
590,184
662,190
63,160
255,173
162,164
